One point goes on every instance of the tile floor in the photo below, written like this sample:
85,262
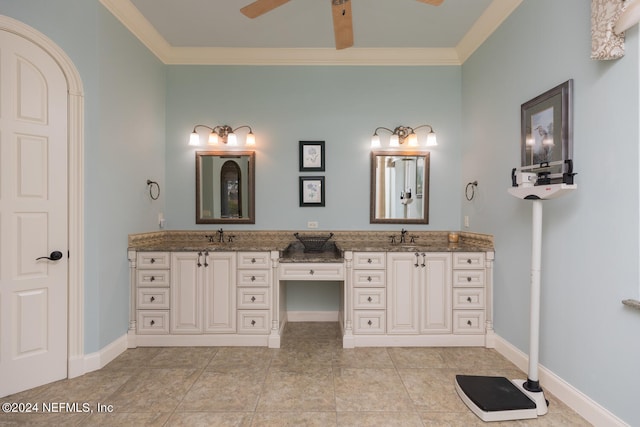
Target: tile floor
310,381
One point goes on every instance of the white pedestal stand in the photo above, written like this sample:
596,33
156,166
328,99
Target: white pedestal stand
497,398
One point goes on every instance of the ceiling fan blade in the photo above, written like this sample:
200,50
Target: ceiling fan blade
260,7
432,2
342,23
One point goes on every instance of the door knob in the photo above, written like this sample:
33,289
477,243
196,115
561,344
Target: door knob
53,256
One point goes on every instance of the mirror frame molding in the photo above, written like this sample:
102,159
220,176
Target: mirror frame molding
251,179
372,195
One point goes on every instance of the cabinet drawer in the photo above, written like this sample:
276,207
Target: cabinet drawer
253,260
468,260
153,322
253,321
468,321
253,298
368,321
153,260
254,277
368,278
468,278
369,260
365,298
468,298
311,271
155,278
153,298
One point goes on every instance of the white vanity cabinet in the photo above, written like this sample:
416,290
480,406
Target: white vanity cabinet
369,293
152,292
418,292
254,292
203,292
469,293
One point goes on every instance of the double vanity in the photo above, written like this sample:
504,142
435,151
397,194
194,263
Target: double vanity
228,288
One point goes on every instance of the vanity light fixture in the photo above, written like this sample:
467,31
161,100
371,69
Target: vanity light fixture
222,133
402,134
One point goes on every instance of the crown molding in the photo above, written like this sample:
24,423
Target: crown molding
318,56
135,22
497,12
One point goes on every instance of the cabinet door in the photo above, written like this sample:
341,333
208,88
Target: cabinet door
435,293
220,292
186,293
402,293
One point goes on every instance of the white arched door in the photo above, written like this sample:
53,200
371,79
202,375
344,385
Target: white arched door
33,216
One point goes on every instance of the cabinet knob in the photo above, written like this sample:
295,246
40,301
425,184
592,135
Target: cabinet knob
369,279
153,322
369,299
253,323
468,278
152,261
253,278
311,272
152,299
153,278
253,260
469,261
468,299
369,323
369,261
469,322
253,299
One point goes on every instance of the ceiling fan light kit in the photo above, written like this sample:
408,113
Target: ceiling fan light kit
340,9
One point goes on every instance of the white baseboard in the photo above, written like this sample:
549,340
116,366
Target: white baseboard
569,395
312,316
94,361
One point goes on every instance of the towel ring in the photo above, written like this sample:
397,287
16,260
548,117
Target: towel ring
151,185
472,186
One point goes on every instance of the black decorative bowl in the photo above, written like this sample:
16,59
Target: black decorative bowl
313,243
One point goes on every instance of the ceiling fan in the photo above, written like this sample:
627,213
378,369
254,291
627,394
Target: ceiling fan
341,10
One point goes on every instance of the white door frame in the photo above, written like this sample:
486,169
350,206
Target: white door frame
75,142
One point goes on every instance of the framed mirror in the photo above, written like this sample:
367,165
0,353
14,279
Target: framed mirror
400,187
225,185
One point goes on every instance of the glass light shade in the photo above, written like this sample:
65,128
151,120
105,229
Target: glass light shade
213,138
394,141
529,140
547,140
413,139
375,141
194,139
431,139
251,139
232,139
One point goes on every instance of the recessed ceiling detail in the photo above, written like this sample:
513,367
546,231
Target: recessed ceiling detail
300,32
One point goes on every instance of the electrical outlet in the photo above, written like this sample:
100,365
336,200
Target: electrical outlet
466,221
312,224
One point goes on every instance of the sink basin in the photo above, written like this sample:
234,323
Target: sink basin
425,247
295,253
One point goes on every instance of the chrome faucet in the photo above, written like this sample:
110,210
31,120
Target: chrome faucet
221,235
403,236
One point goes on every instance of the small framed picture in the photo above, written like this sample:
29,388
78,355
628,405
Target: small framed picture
311,156
311,191
547,129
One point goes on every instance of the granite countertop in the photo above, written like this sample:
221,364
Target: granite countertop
292,251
